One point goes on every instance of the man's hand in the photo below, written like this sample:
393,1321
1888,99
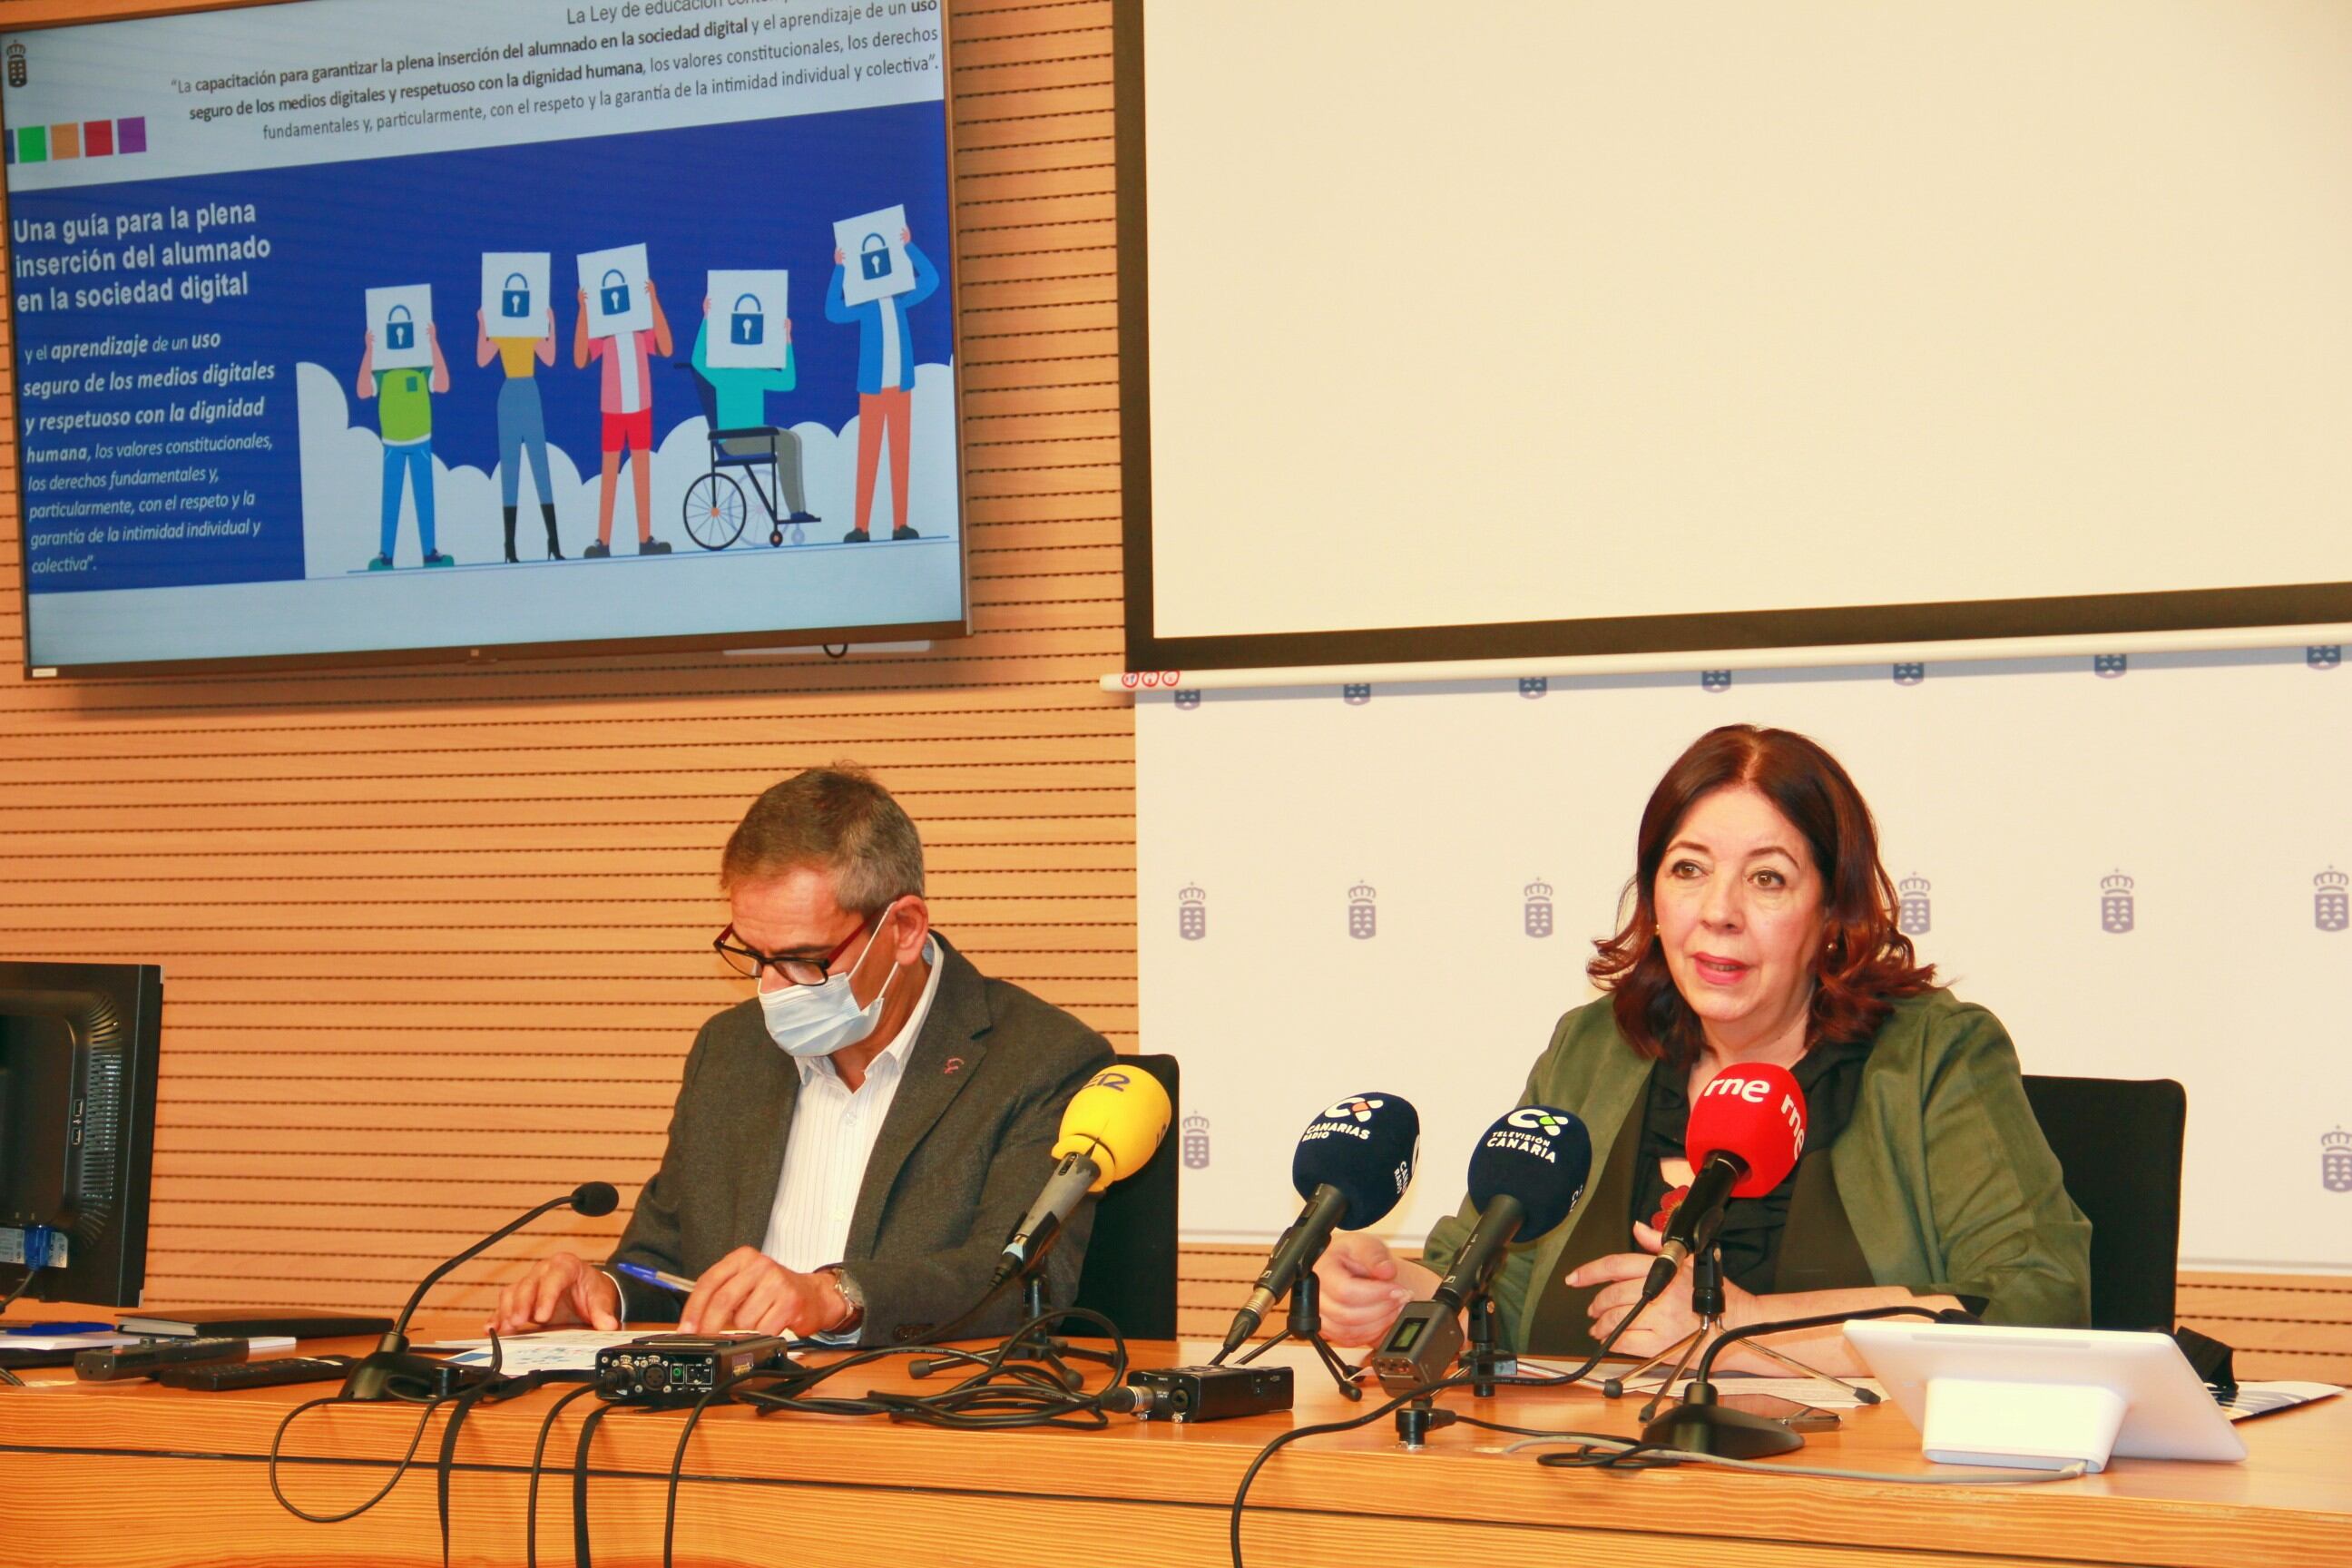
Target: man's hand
560,1291
748,1290
1363,1289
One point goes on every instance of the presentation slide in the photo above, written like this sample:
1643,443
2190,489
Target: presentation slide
417,324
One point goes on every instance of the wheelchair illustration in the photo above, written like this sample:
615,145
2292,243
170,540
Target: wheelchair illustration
717,510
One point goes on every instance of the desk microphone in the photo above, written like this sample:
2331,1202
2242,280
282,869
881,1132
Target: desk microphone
1109,1130
1526,1174
370,1377
1746,1130
1353,1163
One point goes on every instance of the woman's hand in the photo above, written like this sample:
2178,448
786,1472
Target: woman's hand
1666,1319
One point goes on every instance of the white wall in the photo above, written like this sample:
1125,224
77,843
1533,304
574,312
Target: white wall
2222,784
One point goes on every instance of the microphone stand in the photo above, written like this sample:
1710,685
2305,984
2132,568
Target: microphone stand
1305,1323
391,1360
1481,1361
1707,1301
1480,1358
1701,1426
1037,1342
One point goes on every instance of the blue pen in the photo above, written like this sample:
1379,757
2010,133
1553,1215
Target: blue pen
59,1329
655,1276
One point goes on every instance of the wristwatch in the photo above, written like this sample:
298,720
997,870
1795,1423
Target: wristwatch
851,1295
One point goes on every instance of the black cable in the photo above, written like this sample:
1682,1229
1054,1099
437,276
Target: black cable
1459,1380
464,1402
1241,1493
1578,1374
693,1416
458,1408
1031,1398
424,1420
580,1558
461,1406
537,1459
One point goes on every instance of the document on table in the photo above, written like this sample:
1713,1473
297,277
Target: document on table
555,1349
66,1342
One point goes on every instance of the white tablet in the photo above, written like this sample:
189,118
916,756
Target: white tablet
2044,1398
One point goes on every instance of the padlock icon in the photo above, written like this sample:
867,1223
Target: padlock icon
752,325
874,257
399,328
514,302
614,289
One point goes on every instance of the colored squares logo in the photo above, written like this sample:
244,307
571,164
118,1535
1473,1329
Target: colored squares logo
79,139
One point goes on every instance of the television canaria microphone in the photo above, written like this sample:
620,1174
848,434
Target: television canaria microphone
1747,1130
371,1376
1352,1163
1526,1174
1109,1130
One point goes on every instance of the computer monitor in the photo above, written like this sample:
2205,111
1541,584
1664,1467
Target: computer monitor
78,1056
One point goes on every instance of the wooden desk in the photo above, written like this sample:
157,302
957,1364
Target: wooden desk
128,1474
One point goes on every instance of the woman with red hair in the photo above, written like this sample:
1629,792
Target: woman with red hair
1763,930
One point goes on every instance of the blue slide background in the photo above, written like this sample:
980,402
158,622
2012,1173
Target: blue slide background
753,194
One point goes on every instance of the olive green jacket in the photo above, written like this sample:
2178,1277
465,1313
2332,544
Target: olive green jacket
1943,1171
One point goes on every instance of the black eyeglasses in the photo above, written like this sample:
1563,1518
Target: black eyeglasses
797,970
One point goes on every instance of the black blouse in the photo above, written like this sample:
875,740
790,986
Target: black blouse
1831,1077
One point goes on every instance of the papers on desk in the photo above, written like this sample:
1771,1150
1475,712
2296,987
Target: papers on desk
2252,1399
66,1342
555,1349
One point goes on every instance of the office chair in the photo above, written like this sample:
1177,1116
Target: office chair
2119,1144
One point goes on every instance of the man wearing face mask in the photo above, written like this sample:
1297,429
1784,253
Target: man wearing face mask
852,1145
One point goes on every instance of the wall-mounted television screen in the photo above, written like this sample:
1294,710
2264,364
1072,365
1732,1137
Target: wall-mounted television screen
351,330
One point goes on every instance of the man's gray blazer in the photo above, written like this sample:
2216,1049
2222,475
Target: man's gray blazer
966,1147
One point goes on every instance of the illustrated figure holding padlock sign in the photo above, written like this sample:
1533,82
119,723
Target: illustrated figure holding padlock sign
740,402
522,422
626,404
886,375
403,400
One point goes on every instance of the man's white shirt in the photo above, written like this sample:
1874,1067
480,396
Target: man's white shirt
834,1129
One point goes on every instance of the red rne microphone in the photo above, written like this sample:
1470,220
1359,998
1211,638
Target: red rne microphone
1746,1130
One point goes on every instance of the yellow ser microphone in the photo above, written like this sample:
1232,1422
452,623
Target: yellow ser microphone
1111,1130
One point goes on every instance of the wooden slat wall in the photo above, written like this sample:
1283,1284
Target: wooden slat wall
435,939
432,938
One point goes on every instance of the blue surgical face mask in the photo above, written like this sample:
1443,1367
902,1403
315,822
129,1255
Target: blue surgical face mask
818,1020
